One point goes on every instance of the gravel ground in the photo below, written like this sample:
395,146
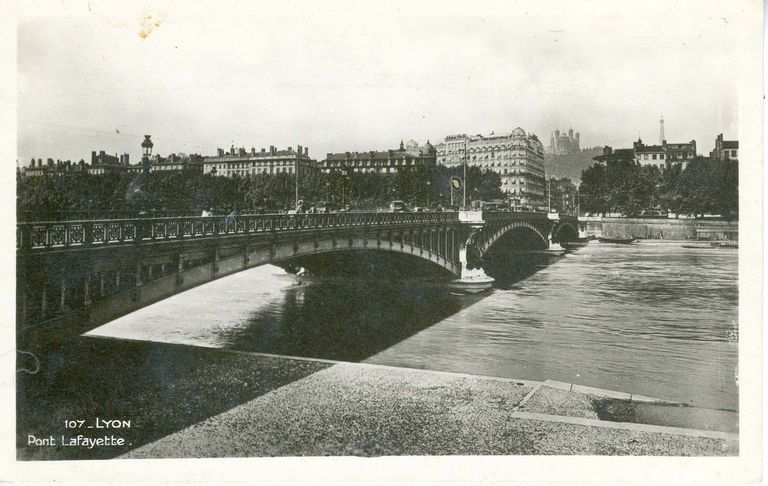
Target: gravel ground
160,388
352,409
554,401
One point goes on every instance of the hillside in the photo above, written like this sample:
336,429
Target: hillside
570,165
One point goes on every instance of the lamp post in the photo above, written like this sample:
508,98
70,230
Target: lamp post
549,196
296,202
464,203
429,198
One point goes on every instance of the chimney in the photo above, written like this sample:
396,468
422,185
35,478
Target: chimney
272,150
93,157
263,150
306,151
253,151
298,149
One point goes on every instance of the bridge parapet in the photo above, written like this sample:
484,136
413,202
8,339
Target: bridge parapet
41,236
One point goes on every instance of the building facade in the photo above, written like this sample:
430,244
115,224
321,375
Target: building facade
725,149
611,156
240,162
661,156
680,153
103,163
51,168
650,154
517,157
561,144
174,163
388,162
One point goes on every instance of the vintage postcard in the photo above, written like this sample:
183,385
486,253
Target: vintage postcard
383,241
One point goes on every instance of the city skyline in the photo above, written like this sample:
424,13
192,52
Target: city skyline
328,82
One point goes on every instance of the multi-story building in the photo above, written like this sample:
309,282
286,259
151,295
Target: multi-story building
104,163
51,168
664,155
611,156
517,157
563,144
725,149
680,153
242,162
650,154
387,162
175,163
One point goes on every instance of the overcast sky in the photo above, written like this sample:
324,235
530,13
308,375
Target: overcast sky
345,79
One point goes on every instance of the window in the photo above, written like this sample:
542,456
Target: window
654,156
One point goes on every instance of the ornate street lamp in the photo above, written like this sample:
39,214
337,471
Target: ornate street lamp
146,147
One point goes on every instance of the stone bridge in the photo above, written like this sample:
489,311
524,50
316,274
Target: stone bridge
73,276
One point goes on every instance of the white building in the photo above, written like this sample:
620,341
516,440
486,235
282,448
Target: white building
241,162
516,156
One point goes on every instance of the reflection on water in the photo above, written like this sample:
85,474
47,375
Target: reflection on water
656,320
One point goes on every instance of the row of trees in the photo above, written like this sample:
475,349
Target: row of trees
705,186
42,197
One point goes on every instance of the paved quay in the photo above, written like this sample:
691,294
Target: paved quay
186,401
371,410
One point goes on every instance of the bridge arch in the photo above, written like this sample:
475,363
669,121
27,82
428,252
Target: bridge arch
494,236
564,231
301,253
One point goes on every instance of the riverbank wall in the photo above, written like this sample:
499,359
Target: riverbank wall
666,229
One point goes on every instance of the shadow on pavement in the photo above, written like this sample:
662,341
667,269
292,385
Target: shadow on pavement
159,388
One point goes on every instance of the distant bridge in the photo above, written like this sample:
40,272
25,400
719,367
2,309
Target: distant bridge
73,276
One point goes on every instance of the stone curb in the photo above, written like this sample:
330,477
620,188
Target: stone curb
608,393
657,429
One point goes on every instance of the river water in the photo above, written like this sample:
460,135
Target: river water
652,319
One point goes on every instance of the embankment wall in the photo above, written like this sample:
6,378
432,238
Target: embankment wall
667,229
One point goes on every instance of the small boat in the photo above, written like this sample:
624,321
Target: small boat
725,244
697,247
620,241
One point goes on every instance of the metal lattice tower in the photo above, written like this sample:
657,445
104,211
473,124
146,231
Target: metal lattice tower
661,130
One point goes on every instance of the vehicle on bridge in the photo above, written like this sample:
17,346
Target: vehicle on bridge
326,207
398,207
494,205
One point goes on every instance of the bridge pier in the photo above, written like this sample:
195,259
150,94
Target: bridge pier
473,279
87,290
44,301
63,298
555,246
